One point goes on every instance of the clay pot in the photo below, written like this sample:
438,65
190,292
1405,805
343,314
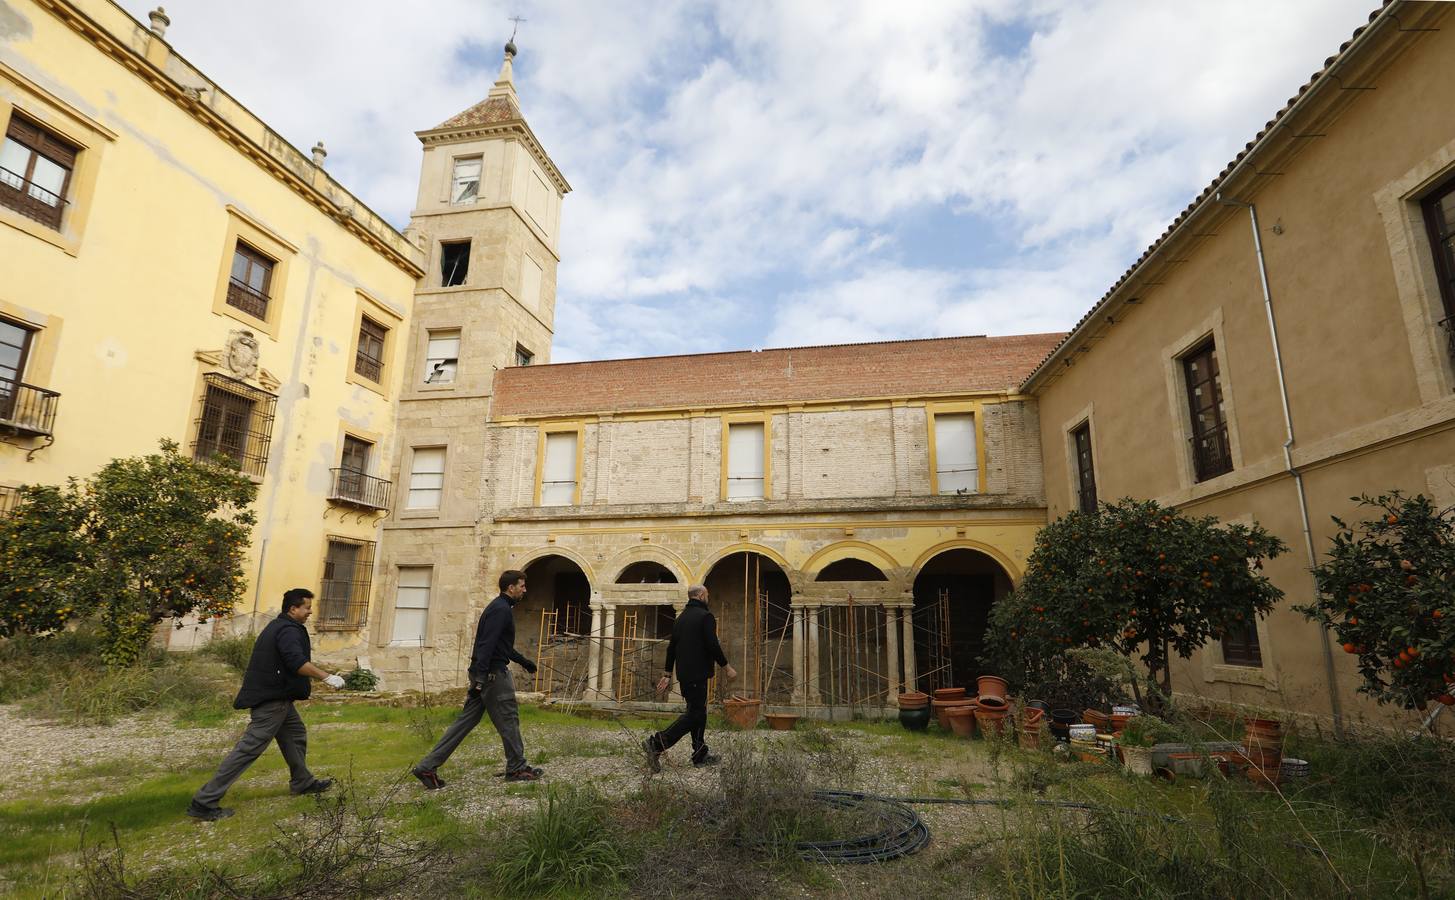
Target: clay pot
992,690
1100,720
913,700
1061,721
742,713
942,707
1119,722
915,719
990,720
1037,704
1030,738
1031,717
1263,746
782,721
949,693
962,720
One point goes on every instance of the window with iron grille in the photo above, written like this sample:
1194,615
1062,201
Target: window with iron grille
1085,470
1240,646
369,360
1211,453
250,281
1439,209
35,171
348,568
15,342
235,420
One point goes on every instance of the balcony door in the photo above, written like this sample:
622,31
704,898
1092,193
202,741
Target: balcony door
14,348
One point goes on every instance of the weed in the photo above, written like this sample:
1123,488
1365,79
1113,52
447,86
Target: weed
567,846
234,650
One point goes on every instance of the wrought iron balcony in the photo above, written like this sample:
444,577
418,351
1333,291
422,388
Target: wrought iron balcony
240,295
26,409
30,199
352,487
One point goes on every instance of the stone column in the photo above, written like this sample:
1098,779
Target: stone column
796,612
813,693
911,675
593,651
891,643
608,631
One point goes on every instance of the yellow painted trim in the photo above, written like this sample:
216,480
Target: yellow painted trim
663,555
561,428
391,322
989,550
747,418
777,408
564,553
742,547
974,408
76,127
45,342
847,550
242,227
520,527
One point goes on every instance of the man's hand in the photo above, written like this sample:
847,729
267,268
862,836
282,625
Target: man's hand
334,681
528,666
730,672
663,683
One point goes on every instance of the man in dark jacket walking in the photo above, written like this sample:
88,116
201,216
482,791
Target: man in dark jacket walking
491,689
278,673
694,648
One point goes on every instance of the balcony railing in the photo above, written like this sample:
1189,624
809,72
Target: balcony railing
27,409
30,199
240,295
357,489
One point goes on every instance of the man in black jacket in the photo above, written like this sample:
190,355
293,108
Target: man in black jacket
694,648
491,689
278,673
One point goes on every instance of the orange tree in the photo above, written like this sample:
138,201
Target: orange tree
1139,578
1387,590
144,539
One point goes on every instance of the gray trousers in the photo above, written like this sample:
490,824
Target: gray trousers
497,699
275,720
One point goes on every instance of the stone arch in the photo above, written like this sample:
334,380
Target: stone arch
542,552
955,586
794,575
869,553
660,555
1011,569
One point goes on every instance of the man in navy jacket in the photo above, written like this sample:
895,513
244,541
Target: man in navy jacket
278,673
491,689
694,649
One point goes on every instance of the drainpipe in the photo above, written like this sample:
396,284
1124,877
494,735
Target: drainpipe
1308,539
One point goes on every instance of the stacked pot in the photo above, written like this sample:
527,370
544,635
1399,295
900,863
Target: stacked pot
914,710
993,706
1031,719
946,699
1263,748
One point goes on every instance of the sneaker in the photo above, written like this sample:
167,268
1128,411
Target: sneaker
207,813
707,759
318,787
428,778
526,774
654,756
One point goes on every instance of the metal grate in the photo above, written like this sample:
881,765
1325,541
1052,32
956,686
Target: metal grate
348,570
235,421
30,199
354,487
369,361
27,409
246,299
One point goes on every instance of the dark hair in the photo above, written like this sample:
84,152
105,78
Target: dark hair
296,597
510,577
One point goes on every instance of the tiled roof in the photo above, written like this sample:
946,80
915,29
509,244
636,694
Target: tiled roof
1213,187
487,112
797,374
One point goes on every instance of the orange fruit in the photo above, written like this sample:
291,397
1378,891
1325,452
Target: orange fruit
1391,519
1350,648
1412,652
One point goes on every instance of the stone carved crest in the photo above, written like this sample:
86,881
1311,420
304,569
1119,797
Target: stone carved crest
240,353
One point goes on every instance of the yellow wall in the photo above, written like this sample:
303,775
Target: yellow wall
127,301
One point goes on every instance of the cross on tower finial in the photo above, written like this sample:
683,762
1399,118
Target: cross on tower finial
517,20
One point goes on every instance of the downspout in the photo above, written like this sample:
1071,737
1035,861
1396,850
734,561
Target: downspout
1308,539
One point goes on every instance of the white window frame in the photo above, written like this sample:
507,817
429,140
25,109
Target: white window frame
408,606
436,355
426,481
457,182
558,449
745,460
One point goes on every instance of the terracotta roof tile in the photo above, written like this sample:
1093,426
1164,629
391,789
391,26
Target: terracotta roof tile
487,112
796,374
1214,186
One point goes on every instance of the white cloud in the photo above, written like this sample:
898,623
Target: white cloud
745,171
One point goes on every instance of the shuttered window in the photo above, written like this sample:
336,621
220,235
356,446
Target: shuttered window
442,357
411,605
745,461
558,471
426,478
1085,470
956,470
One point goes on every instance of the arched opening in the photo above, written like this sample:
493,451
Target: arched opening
646,571
953,594
750,596
851,569
551,623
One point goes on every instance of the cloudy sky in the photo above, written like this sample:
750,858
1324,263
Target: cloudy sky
754,174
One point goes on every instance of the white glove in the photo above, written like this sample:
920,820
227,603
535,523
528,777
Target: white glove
334,681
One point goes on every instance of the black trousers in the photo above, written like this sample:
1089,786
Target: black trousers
693,721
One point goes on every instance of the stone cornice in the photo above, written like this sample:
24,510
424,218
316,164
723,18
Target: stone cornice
512,127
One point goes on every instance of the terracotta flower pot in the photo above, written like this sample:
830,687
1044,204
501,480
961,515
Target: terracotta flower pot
990,721
782,721
962,720
949,693
1263,746
1030,738
1031,717
913,700
992,690
1119,722
942,707
742,713
1097,718
915,719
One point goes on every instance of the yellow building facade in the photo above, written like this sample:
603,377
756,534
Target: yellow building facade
170,268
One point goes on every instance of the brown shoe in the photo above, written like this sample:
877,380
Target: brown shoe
526,774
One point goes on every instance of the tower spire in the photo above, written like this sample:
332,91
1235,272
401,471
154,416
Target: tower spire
505,82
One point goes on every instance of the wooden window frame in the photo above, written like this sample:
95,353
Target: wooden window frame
1084,455
1243,650
368,309
523,357
412,471
1442,249
369,358
241,293
1206,467
248,234
8,398
45,143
